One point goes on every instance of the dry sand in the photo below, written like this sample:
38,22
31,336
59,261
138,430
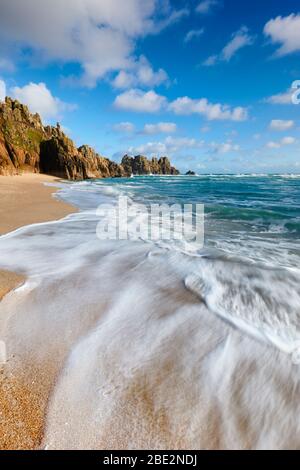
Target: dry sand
25,200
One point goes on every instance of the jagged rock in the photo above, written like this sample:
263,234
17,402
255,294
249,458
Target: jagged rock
103,167
190,173
140,165
95,165
61,158
26,145
166,167
6,165
127,164
116,171
155,168
20,136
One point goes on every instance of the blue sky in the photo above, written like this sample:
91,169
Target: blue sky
207,83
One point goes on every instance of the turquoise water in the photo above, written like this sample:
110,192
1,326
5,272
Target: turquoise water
254,216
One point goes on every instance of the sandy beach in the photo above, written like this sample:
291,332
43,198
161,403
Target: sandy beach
25,200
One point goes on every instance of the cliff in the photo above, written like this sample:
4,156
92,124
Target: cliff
27,145
21,134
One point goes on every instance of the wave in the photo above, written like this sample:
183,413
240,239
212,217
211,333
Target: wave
259,301
155,346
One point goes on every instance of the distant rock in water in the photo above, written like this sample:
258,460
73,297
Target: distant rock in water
190,173
140,165
27,145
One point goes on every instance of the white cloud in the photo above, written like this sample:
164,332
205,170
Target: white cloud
101,36
281,98
127,127
206,6
6,64
150,102
288,141
210,61
150,149
280,143
240,39
169,146
170,16
123,80
148,129
224,147
160,128
284,31
273,145
2,90
141,74
40,100
181,145
186,105
138,101
184,142
281,125
193,34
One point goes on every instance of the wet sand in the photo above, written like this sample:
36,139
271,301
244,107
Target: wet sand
9,281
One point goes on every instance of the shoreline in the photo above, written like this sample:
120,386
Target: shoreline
25,200
9,281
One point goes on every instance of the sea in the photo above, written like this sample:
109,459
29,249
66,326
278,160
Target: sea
161,344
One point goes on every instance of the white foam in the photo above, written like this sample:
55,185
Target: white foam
261,302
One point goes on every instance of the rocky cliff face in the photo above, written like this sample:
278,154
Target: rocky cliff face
26,145
21,134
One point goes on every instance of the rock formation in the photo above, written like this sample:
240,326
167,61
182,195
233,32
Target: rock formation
140,165
27,145
21,134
